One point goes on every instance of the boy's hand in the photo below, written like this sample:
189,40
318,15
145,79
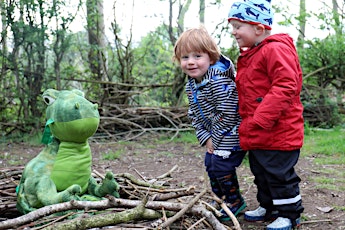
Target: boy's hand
209,146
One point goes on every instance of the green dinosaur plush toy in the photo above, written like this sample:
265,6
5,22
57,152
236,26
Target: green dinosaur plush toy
62,170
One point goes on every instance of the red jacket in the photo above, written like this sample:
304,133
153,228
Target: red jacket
269,82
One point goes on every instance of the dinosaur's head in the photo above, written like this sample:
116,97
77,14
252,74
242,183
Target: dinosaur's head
70,116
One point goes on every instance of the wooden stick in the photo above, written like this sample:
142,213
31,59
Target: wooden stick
228,212
167,173
214,210
196,223
182,211
141,176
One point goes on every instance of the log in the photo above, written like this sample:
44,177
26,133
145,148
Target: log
109,203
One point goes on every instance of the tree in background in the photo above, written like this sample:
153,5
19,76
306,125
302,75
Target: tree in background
324,67
302,22
97,54
39,51
154,68
27,61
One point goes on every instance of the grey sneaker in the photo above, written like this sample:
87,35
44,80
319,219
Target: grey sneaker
282,223
259,214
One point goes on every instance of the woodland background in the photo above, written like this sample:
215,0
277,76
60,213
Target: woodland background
136,85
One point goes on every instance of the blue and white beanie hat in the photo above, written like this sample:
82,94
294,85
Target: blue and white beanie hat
252,11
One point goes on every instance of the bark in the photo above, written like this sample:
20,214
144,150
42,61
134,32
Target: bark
96,36
302,23
113,218
202,11
183,9
182,211
336,17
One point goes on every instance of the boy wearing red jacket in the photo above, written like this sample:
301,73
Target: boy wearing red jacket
269,83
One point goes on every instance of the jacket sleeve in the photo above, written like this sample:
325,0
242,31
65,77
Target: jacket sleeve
202,133
285,75
226,118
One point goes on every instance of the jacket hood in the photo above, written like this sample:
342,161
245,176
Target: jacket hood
283,38
223,67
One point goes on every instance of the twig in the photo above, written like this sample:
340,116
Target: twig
250,186
141,176
228,212
196,223
182,211
98,174
316,221
168,173
165,216
210,207
136,181
54,221
168,196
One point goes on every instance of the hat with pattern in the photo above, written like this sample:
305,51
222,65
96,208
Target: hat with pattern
252,11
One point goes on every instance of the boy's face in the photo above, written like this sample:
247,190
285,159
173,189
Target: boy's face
195,64
244,33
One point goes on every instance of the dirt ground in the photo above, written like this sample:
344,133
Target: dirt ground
324,207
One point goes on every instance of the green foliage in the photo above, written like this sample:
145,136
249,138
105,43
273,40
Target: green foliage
186,137
332,178
33,140
328,142
43,53
112,155
154,66
232,52
322,61
326,148
324,74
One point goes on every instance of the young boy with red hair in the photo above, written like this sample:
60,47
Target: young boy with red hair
213,111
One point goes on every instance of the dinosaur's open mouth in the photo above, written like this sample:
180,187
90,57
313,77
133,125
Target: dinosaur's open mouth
75,131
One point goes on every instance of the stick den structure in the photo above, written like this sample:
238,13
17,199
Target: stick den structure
145,203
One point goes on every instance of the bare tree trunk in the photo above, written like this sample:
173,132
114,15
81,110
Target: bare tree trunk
302,23
4,50
336,18
180,79
36,81
170,28
95,29
183,9
3,31
125,62
202,11
14,59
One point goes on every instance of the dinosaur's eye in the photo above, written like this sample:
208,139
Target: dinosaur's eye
48,100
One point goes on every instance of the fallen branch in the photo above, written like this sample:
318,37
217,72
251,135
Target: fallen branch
182,211
136,181
228,212
137,213
316,221
211,208
172,195
108,203
168,173
196,223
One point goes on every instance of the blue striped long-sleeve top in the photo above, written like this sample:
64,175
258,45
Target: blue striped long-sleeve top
213,106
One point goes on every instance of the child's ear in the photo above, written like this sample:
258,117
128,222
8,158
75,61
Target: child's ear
259,28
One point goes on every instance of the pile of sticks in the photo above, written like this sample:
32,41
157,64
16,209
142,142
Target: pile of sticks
144,204
123,122
9,179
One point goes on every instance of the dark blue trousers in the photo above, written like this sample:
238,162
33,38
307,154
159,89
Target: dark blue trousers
217,166
223,178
